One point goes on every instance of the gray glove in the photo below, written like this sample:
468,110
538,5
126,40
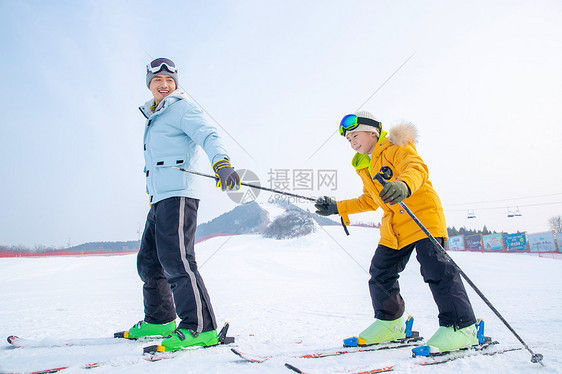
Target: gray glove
326,206
394,192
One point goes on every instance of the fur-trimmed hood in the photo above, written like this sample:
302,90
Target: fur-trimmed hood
403,133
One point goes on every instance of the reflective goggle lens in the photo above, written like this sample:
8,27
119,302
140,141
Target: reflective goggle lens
348,122
161,63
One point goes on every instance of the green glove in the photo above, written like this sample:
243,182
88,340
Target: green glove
394,192
326,206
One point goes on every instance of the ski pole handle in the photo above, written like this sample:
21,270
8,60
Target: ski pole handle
384,175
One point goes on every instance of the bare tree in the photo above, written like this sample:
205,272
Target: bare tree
555,223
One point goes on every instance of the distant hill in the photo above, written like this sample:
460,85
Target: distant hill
132,245
92,247
273,220
279,221
293,223
244,219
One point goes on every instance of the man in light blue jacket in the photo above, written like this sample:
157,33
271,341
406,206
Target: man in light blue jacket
175,134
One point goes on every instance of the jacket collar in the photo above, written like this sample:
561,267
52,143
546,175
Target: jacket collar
177,95
360,161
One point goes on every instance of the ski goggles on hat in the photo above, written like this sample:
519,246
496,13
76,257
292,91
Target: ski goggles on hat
351,122
161,63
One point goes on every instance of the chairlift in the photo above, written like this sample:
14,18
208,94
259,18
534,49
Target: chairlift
513,212
510,213
470,214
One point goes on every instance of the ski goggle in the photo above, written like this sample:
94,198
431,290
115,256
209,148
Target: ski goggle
161,63
351,122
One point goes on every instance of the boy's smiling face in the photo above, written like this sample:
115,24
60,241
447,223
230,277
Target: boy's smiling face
362,142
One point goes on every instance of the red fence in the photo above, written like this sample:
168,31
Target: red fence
87,253
63,253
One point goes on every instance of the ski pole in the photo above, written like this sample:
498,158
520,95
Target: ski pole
259,188
248,185
385,174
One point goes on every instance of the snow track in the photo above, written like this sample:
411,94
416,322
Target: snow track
279,296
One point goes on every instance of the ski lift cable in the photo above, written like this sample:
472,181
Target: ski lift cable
515,198
504,207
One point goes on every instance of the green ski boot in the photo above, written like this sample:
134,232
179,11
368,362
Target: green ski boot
184,338
142,329
383,331
450,338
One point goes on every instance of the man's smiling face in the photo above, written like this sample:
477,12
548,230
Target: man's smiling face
161,86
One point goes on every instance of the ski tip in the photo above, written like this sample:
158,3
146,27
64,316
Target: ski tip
250,358
92,365
294,368
13,340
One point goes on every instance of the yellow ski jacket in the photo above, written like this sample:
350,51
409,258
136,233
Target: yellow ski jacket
398,152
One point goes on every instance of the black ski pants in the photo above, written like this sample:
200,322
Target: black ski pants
166,264
441,276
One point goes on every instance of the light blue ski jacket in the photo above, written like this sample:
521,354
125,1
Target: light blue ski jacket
175,135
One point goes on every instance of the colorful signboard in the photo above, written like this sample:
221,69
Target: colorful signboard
515,242
456,243
542,242
473,242
493,242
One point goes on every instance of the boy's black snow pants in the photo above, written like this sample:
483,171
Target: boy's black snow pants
166,264
443,280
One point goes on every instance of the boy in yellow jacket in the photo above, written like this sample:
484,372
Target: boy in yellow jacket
399,234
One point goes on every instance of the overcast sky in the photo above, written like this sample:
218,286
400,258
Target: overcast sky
481,80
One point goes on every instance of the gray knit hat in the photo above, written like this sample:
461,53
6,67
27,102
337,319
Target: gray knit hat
161,66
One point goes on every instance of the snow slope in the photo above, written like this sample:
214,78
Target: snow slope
279,296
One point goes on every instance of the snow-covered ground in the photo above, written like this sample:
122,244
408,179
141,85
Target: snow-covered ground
279,296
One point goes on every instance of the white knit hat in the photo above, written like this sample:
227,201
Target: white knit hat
365,127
